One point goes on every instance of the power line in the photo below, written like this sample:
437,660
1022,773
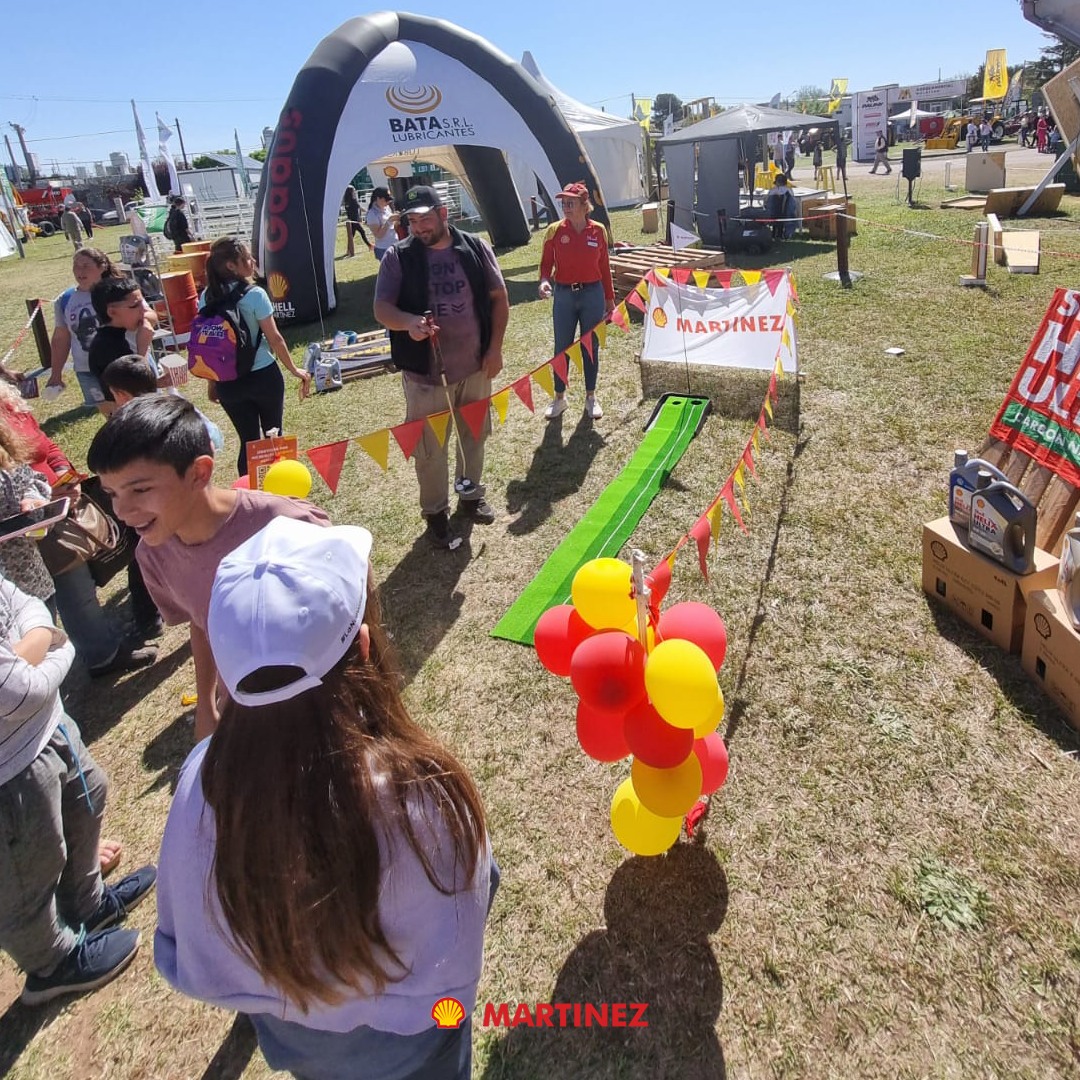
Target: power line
124,101
88,135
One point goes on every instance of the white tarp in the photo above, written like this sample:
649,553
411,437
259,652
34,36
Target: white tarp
613,143
7,242
745,327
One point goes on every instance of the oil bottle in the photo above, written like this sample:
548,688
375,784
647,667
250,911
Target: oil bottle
962,481
1003,523
1069,573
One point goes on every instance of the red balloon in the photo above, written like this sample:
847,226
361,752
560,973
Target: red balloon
691,621
653,740
558,633
608,671
601,733
712,753
243,482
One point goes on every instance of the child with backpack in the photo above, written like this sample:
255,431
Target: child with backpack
325,868
236,345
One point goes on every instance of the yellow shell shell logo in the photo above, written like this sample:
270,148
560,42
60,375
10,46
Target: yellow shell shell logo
414,100
278,284
659,317
447,1012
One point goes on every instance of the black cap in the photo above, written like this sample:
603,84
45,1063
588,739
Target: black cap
420,200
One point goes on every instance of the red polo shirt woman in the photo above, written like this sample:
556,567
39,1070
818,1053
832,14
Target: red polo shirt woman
575,259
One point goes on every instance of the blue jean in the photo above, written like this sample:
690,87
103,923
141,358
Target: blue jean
574,313
93,633
50,876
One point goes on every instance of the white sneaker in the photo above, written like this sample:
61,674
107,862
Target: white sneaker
556,408
592,407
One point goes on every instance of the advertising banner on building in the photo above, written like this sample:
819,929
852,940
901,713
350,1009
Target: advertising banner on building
744,327
1040,413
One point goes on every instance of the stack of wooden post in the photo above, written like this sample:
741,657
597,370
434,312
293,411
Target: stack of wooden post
630,265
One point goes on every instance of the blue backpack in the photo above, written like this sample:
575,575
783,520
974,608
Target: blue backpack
220,348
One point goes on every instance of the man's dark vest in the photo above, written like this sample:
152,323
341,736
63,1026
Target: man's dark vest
416,356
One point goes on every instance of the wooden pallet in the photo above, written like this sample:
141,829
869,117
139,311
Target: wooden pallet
1057,501
630,265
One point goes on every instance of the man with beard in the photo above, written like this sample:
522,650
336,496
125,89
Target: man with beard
441,295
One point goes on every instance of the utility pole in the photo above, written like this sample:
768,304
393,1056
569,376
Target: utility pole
21,132
14,163
183,152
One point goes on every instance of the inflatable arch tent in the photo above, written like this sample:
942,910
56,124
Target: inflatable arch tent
388,82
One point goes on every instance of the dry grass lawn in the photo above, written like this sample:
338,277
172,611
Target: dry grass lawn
889,883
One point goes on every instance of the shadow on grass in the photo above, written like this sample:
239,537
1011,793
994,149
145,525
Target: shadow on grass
654,949
1019,689
556,471
167,751
234,1053
20,1024
56,425
420,600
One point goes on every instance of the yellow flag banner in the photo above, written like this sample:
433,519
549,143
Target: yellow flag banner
574,352
377,447
501,401
545,379
995,75
439,422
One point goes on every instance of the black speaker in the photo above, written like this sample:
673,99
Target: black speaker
912,167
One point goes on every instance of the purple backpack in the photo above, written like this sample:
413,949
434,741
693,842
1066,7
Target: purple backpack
220,347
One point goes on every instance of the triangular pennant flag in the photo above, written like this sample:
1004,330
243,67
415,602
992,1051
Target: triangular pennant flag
763,427
408,435
791,309
560,366
601,334
664,272
523,388
785,338
748,458
682,238
772,387
715,514
768,408
588,345
744,502
778,368
501,401
440,422
642,289
750,277
681,275
649,278
738,477
729,497
475,414
723,278
377,447
702,533
619,316
635,299
328,461
773,279
701,278
574,352
545,379
755,441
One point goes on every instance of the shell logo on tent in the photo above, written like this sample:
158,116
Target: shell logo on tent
422,99
659,316
278,286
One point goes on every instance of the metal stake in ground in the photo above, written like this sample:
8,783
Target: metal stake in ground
461,484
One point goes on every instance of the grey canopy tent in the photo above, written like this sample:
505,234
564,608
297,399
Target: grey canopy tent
703,161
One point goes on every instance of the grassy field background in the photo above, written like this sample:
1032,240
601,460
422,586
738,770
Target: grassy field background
889,882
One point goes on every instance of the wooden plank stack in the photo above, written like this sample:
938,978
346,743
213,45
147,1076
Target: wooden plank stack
1057,500
630,265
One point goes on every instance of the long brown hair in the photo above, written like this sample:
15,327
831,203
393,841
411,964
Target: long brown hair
14,449
102,261
219,278
300,792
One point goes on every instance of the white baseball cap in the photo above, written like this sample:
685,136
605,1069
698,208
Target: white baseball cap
292,595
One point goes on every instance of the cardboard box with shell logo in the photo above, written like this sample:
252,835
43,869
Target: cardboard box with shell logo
1051,653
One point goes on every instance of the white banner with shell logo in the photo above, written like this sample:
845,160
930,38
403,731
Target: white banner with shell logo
748,326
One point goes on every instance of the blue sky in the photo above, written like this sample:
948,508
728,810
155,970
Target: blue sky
217,65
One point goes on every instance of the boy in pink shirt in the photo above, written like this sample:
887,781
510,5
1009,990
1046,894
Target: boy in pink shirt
155,460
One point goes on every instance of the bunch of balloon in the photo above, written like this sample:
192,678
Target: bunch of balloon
647,688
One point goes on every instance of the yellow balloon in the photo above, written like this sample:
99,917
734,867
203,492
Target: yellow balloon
601,592
681,682
640,830
631,628
288,477
708,726
668,793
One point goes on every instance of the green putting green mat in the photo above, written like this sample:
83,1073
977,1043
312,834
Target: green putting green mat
612,518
